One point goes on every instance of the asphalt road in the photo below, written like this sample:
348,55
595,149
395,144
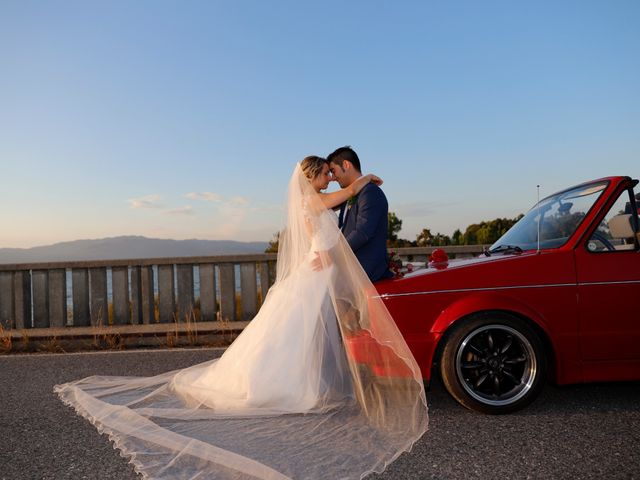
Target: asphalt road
585,431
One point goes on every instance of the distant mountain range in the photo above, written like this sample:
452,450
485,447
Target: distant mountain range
127,247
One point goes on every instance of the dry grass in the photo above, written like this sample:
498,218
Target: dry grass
192,329
6,342
50,345
113,341
25,340
226,335
197,311
108,341
185,333
96,323
190,332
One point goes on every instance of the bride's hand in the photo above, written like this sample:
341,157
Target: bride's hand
375,179
363,181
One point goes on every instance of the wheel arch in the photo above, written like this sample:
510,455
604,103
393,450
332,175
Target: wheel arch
470,307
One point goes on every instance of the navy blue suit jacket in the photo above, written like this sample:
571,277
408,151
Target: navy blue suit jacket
365,225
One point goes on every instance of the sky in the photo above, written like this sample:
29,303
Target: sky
185,119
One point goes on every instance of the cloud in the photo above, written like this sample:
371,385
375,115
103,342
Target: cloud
216,197
267,209
186,210
207,196
148,201
240,201
233,214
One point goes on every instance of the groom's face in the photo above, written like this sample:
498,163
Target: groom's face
339,175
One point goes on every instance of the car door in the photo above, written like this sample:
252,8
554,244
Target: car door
608,276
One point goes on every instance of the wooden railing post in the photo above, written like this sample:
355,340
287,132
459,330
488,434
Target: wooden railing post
207,292
99,304
120,290
227,291
249,290
57,290
136,296
264,280
147,295
166,293
185,293
80,287
22,298
39,279
6,300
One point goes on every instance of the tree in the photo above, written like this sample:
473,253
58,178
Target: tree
273,244
488,232
395,225
400,243
470,236
424,238
457,237
440,240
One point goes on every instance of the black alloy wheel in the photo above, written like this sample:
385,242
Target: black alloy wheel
493,362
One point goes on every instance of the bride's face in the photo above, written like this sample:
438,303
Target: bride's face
321,181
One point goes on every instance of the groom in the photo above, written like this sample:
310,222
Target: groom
363,218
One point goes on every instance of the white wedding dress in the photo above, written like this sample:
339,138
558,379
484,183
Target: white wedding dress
320,384
276,364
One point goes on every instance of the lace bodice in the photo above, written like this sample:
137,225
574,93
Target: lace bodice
325,231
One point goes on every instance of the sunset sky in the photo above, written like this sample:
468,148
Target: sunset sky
185,119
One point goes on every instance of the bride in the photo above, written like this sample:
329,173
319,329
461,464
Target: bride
320,384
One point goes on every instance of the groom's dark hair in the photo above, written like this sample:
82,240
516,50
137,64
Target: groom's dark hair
345,153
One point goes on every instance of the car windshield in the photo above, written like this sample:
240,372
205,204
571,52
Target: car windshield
558,215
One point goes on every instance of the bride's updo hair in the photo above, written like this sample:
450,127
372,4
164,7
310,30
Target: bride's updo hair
312,166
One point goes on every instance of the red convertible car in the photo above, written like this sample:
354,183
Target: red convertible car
555,297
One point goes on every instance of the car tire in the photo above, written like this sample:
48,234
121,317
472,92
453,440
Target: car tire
493,362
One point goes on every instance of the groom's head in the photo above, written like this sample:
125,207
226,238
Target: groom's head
345,166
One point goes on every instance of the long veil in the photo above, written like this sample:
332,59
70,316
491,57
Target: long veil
321,383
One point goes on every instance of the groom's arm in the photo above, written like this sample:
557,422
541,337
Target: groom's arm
372,206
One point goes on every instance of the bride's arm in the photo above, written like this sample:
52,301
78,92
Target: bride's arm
333,199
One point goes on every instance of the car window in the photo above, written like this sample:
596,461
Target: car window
618,229
554,219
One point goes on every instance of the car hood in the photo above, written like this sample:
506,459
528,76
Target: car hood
498,270
456,263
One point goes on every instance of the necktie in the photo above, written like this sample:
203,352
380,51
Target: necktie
343,210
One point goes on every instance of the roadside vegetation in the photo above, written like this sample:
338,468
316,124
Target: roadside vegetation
483,233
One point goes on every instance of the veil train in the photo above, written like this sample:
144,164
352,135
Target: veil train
320,384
